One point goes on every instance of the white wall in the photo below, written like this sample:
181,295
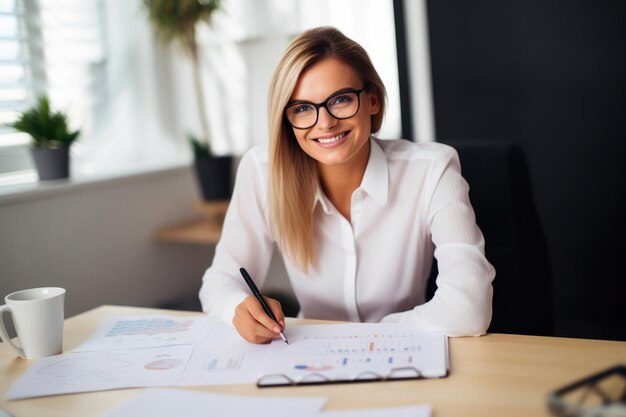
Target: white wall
96,240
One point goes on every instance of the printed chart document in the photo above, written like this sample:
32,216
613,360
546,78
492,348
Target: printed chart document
135,332
351,352
173,351
222,356
98,371
218,356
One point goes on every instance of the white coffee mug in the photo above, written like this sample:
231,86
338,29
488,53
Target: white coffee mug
37,314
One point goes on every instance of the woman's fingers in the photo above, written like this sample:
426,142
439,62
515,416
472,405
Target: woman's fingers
250,329
277,309
253,323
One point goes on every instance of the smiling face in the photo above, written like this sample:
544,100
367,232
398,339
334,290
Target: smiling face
332,141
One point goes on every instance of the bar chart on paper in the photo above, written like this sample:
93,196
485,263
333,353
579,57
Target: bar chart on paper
223,364
326,352
353,351
148,327
144,332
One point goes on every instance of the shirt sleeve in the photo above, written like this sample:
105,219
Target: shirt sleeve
245,242
461,305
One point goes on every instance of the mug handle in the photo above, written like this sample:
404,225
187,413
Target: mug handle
3,331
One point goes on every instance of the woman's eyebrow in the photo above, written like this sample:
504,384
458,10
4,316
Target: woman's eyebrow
341,90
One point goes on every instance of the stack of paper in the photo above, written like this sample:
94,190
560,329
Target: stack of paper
151,351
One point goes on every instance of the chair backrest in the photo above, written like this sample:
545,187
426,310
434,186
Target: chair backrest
501,194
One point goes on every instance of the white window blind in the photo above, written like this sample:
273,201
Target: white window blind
47,47
22,77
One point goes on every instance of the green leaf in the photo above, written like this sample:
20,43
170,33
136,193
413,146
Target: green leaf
175,20
48,129
200,149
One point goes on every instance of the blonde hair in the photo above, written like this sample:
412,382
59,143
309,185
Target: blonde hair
293,174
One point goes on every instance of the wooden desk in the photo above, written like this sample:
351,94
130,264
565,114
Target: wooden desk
494,375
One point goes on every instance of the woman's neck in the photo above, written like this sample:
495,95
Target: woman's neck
340,181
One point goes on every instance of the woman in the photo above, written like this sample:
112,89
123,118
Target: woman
356,218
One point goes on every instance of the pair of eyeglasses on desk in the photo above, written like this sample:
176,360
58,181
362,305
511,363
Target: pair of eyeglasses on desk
600,395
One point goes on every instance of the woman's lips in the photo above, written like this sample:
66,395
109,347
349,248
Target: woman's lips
332,141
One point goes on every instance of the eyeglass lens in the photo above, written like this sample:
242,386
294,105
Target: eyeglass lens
341,106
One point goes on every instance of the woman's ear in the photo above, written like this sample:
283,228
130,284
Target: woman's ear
374,103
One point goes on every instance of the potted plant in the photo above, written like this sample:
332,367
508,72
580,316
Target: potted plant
51,139
213,172
176,21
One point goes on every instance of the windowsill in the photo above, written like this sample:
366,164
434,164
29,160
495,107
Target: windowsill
19,193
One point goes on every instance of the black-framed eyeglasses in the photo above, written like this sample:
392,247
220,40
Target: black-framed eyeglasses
341,105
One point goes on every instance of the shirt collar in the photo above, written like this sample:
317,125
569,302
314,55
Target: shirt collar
321,199
376,178
375,181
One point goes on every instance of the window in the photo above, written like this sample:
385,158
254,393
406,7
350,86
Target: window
134,101
95,60
52,48
21,78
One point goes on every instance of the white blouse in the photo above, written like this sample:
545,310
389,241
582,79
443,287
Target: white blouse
412,203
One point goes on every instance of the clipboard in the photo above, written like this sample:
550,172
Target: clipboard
395,374
356,353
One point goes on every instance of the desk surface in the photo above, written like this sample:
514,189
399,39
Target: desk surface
493,375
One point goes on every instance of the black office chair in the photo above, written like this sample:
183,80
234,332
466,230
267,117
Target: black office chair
515,245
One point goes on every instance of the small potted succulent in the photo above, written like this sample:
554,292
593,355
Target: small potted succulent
51,139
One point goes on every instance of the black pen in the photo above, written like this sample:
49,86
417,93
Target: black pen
257,294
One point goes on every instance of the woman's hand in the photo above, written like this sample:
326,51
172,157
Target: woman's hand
253,323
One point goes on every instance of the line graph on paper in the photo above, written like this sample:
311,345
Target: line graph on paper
97,371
